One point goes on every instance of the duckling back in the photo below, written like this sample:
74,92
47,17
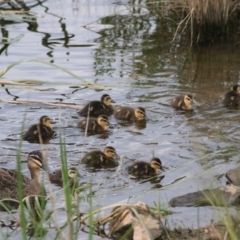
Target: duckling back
96,108
94,125
130,114
183,102
141,169
97,159
231,99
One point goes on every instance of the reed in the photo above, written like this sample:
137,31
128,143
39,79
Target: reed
204,19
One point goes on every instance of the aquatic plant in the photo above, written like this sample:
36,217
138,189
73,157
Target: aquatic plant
206,20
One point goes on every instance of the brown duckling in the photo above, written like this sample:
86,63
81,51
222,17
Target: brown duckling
143,169
57,177
96,108
41,132
130,114
232,98
183,102
95,125
98,159
34,186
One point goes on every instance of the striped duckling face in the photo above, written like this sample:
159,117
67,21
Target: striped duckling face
107,100
236,88
188,101
46,121
140,113
37,160
110,152
103,121
157,165
73,172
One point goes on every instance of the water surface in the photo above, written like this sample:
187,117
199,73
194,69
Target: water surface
126,51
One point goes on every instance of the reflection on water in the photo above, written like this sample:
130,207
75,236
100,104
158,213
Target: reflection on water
126,52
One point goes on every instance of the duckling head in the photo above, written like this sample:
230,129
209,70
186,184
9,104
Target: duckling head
140,113
36,161
103,121
46,121
73,173
107,100
188,100
236,88
157,165
110,152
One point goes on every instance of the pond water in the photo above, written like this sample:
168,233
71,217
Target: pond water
124,50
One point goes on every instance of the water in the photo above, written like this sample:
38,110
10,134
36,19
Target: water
125,51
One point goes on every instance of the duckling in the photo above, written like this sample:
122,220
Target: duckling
143,169
98,159
130,114
96,108
232,98
34,186
95,125
183,102
57,179
41,132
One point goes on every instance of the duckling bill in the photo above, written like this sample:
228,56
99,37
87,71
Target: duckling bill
130,114
232,98
143,169
41,132
95,125
183,102
96,108
99,159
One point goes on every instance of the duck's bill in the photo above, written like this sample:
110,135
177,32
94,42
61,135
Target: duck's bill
162,169
113,101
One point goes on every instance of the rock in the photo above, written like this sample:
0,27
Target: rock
223,196
233,176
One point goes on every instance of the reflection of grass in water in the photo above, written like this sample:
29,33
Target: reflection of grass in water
18,15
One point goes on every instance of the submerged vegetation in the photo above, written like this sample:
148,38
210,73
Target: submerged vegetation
204,20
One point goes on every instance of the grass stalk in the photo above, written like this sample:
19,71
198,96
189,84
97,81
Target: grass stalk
67,192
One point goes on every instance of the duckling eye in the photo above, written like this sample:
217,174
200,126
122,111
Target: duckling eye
140,112
189,99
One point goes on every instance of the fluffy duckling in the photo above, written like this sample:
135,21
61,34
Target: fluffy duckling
57,177
41,132
183,102
143,169
96,108
95,125
34,186
232,98
130,114
98,159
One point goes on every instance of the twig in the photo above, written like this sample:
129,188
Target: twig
46,103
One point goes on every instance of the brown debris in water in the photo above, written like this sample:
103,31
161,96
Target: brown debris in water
137,221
